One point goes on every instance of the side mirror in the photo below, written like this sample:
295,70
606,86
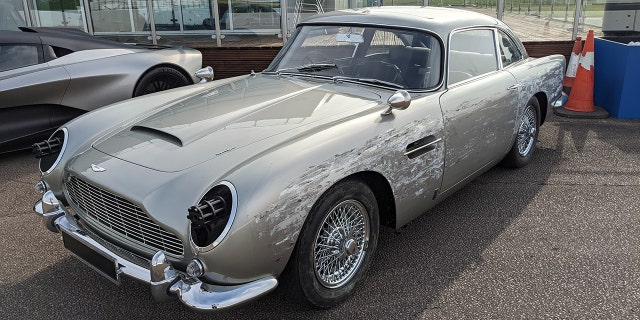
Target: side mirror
400,100
205,74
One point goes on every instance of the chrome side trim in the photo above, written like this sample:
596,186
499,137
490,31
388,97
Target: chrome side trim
423,147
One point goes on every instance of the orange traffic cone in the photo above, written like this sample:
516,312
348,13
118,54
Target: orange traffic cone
580,103
581,99
572,67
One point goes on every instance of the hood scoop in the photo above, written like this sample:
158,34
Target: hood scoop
158,134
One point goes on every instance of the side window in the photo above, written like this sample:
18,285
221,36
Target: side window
471,53
13,56
509,52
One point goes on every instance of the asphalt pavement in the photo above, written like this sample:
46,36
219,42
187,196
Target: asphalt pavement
559,238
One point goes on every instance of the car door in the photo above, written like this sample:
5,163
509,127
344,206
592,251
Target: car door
479,106
412,138
29,88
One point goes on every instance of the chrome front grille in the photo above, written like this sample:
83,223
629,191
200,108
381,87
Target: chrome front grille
119,215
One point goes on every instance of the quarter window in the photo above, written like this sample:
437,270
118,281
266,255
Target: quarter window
17,56
509,52
471,53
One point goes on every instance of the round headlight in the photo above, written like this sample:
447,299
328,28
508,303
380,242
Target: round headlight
51,150
212,217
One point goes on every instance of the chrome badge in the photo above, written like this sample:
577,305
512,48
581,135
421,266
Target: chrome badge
97,168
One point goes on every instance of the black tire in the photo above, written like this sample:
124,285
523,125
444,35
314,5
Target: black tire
308,276
160,79
526,138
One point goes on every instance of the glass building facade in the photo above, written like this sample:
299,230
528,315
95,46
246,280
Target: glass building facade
150,20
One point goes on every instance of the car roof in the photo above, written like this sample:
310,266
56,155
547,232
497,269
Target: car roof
439,20
72,39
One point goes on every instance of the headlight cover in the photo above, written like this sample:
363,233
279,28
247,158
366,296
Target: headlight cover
50,151
212,218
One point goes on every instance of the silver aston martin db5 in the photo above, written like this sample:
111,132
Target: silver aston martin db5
215,193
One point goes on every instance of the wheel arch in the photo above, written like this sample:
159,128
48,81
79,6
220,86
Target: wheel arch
544,103
383,193
162,65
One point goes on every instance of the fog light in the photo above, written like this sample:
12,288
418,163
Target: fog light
40,187
195,268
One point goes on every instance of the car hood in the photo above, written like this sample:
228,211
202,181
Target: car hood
232,116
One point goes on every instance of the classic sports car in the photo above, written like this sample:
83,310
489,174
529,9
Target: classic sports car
50,75
215,193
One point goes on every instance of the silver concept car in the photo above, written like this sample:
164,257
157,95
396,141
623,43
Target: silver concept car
50,75
215,193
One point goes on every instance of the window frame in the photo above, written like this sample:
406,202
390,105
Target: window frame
523,56
448,55
361,48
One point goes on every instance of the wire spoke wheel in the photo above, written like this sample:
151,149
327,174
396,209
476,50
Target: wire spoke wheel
336,245
527,132
526,136
340,243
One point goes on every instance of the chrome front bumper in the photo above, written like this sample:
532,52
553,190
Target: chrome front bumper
165,281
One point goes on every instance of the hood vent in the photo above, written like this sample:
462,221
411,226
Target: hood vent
159,134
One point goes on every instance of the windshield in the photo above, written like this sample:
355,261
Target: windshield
386,57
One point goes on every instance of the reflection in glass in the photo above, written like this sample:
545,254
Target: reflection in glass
59,13
119,16
11,16
17,56
176,15
254,14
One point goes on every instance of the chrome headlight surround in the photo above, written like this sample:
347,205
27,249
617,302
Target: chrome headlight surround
48,149
203,217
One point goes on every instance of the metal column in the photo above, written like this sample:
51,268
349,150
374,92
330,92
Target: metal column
27,13
216,25
88,20
152,22
284,24
576,20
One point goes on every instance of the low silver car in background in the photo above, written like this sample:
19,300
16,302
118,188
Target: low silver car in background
215,193
50,75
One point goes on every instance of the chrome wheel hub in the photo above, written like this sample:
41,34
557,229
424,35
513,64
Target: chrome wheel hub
340,244
527,132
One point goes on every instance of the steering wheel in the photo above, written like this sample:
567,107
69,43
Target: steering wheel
397,73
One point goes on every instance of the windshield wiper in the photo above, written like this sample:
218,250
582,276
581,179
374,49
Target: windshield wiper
310,67
338,79
317,67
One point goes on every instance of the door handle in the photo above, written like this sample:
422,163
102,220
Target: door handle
421,146
515,86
